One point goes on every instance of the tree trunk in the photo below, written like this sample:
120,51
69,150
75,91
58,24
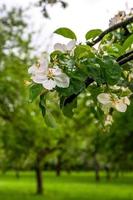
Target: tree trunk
68,170
58,166
117,171
108,176
96,167
39,166
107,170
97,173
39,179
17,173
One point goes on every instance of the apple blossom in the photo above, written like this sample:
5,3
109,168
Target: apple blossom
130,77
112,100
47,76
65,48
108,120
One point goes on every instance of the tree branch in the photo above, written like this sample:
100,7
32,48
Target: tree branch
124,55
69,99
126,59
45,151
121,61
112,28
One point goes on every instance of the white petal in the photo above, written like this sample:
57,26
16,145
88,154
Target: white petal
71,45
39,78
43,68
32,69
126,100
62,80
108,120
56,71
49,84
60,47
120,106
104,98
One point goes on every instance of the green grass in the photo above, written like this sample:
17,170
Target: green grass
76,186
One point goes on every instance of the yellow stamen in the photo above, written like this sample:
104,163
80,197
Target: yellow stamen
27,83
50,74
38,63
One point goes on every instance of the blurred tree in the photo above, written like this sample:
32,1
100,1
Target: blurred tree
26,142
118,142
44,3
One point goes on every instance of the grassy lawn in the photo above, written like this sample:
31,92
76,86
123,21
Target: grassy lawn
76,186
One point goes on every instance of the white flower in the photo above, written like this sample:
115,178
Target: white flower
104,98
111,100
119,105
126,100
65,48
130,77
108,120
118,18
48,77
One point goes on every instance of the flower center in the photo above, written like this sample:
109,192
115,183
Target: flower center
50,74
38,63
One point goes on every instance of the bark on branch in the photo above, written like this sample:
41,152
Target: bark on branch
126,59
112,28
124,55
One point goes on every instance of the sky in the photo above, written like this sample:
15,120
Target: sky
80,16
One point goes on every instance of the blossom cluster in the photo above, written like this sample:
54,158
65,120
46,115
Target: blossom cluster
112,101
72,68
121,16
50,77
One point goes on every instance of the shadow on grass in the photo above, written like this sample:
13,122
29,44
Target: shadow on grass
85,178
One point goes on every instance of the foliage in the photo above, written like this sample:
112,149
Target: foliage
102,70
81,73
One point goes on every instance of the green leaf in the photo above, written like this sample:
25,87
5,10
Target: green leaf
94,72
48,117
75,87
80,74
93,33
93,69
68,108
113,50
42,104
50,120
127,44
83,51
66,32
111,70
62,99
94,90
35,91
55,54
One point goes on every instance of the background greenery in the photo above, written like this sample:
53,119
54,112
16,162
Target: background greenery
77,144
